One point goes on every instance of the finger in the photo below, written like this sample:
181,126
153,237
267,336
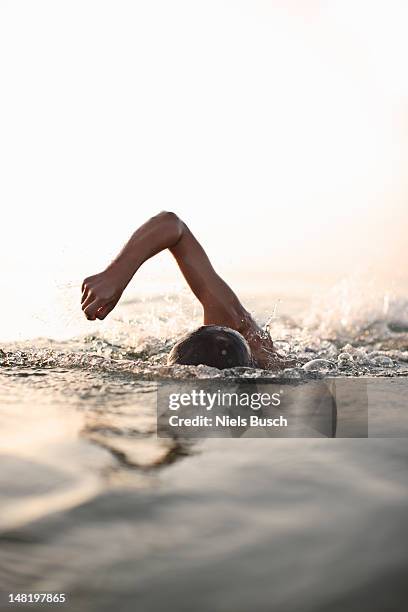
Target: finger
85,292
91,309
84,284
88,300
104,310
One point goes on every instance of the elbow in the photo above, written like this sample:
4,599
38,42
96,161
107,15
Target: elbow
168,216
172,223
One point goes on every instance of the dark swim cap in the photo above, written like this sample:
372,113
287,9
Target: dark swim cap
212,345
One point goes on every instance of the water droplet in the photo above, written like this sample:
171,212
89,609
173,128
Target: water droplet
382,361
319,365
361,357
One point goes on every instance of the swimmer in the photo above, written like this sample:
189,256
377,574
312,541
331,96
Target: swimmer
229,336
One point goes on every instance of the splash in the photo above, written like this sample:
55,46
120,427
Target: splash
354,329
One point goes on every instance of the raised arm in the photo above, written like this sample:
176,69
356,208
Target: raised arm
101,292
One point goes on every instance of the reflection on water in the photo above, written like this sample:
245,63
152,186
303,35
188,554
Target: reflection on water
93,504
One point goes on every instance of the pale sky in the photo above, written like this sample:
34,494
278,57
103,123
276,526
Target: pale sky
277,129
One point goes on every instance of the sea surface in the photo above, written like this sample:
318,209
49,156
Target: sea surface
93,504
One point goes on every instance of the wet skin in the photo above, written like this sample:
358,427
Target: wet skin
101,292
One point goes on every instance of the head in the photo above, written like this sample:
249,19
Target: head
212,345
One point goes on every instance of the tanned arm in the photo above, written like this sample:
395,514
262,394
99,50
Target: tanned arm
101,292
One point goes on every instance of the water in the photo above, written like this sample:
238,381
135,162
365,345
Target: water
93,504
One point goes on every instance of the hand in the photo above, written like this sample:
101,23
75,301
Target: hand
100,294
266,355
275,361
